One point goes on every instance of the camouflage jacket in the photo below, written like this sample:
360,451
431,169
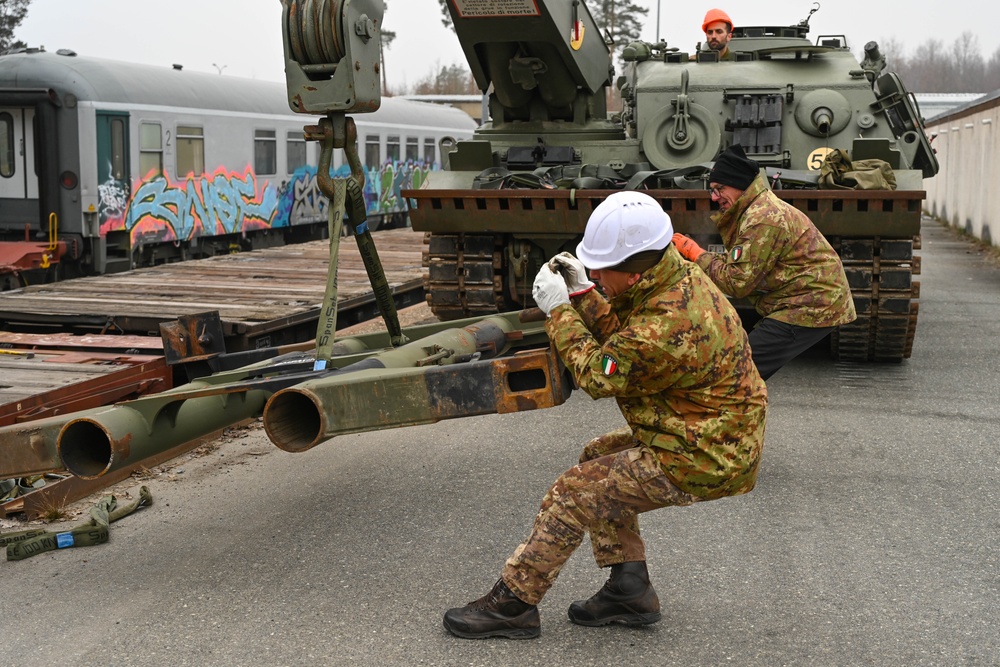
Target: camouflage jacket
779,261
672,352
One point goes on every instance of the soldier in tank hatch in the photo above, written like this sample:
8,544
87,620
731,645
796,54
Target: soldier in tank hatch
776,258
718,29
666,344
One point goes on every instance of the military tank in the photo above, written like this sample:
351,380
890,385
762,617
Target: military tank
522,188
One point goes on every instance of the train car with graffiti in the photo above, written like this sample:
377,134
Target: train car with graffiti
107,165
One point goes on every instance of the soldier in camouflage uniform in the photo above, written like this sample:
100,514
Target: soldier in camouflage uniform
777,259
668,346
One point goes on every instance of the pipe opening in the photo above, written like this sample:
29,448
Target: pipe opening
531,379
85,449
292,421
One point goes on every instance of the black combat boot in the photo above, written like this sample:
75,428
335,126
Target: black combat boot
499,613
627,597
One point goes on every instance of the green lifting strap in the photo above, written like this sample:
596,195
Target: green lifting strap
687,178
632,176
27,543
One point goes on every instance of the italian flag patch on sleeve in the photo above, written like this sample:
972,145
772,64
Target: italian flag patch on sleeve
609,365
736,253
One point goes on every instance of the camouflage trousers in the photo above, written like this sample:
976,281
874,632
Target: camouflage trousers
616,480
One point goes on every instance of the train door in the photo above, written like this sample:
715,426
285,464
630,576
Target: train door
113,163
18,176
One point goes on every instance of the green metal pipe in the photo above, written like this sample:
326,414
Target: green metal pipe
30,448
441,376
115,437
98,440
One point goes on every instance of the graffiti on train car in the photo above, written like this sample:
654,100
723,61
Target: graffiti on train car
160,209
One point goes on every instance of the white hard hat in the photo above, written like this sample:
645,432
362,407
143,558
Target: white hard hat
624,224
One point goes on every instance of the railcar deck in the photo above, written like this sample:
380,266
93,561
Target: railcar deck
45,375
265,298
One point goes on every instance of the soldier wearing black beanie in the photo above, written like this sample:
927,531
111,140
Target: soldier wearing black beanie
734,168
775,258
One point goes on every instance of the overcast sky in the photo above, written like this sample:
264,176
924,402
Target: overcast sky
243,37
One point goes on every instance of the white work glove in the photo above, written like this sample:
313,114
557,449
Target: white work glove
549,290
573,271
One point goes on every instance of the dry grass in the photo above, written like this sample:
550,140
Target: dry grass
52,512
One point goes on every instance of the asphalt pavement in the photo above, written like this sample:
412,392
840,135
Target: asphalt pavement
872,537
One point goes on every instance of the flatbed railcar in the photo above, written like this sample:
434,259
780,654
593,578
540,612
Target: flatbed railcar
106,166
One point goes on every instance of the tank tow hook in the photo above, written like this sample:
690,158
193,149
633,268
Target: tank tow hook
680,139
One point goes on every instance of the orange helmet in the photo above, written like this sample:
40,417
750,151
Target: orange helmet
714,15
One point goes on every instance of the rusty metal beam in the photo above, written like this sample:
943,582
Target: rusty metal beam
60,493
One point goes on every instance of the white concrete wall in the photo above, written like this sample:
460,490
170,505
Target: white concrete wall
966,191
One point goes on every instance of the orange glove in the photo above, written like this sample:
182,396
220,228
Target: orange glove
687,247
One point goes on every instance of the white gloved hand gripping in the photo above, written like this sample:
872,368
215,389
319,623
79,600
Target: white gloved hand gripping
573,271
549,290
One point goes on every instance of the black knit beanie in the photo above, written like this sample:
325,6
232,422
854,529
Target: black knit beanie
734,168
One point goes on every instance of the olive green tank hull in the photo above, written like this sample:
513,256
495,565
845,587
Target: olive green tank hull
522,189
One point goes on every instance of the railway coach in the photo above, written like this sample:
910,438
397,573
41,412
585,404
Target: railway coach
107,165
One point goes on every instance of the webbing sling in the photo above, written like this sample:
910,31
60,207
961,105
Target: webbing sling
26,543
593,177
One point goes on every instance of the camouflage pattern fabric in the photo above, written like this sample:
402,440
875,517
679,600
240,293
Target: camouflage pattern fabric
672,351
602,497
779,261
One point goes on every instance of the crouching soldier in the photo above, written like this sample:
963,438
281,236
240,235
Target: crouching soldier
665,343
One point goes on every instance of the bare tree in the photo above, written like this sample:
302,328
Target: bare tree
968,62
895,55
930,67
991,77
387,37
448,80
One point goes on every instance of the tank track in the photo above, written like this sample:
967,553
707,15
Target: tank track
463,275
880,272
464,278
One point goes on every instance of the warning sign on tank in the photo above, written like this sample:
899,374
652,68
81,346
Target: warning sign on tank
485,8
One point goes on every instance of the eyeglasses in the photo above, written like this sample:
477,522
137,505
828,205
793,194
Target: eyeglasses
716,191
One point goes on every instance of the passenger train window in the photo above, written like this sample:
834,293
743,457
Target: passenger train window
296,147
118,149
150,150
265,152
7,159
412,149
392,148
373,160
430,150
190,150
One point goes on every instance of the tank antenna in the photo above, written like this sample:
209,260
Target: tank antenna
805,21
